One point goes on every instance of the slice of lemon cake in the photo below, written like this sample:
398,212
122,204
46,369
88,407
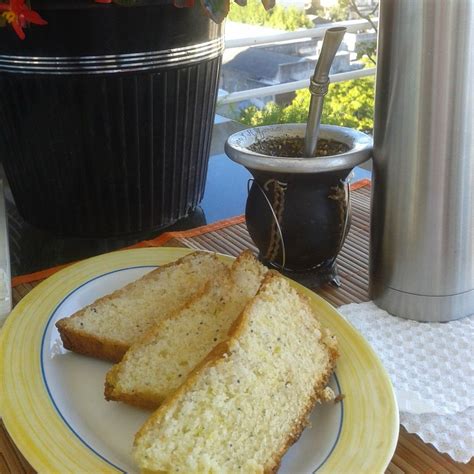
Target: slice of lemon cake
154,367
250,399
108,327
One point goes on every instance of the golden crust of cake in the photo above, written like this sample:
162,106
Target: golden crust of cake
249,400
155,366
107,328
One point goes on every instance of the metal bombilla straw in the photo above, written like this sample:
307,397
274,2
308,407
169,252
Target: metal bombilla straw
319,86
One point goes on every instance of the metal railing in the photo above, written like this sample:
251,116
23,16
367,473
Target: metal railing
318,33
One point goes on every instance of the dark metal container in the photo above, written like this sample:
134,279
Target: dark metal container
106,115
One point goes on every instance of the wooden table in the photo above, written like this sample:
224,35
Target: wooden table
412,454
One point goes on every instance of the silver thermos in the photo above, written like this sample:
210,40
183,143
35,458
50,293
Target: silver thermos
422,228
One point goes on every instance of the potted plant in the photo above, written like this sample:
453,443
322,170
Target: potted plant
107,110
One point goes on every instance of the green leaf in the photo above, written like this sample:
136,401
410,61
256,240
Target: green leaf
241,3
216,9
3,21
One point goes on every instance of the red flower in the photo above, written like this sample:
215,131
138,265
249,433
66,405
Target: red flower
18,15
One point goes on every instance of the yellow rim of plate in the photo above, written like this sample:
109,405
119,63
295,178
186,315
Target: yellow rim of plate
366,441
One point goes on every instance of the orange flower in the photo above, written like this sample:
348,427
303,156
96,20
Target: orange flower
18,15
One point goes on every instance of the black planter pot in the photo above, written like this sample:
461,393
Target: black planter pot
106,115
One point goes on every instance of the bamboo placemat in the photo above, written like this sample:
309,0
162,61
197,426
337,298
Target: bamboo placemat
231,237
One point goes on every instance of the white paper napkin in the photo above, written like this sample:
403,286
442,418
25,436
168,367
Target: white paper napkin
451,434
432,369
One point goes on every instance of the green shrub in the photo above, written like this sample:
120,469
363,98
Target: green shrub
348,104
278,17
